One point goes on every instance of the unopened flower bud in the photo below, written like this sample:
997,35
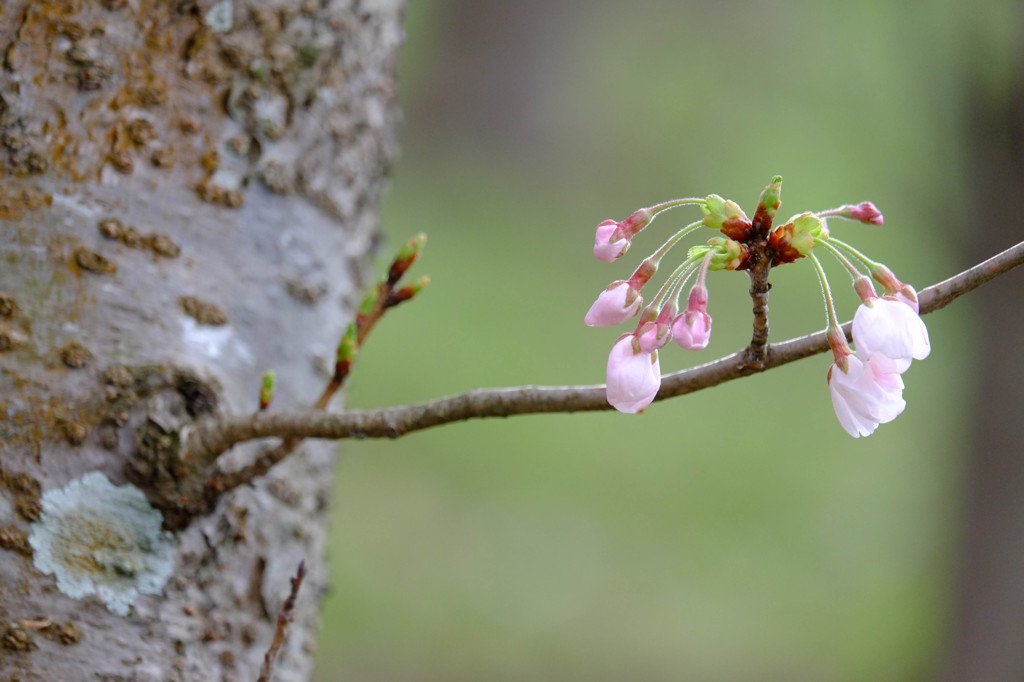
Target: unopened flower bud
633,376
692,329
412,248
811,224
771,197
267,386
406,256
865,212
614,305
348,348
408,291
612,239
795,239
767,207
655,334
713,204
609,241
725,215
728,254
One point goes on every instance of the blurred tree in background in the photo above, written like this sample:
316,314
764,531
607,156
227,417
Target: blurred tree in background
735,535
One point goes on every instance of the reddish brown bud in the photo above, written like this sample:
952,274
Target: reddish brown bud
737,229
406,257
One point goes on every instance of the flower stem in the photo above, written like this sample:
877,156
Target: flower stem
681,273
672,203
649,265
830,308
856,254
672,241
678,284
854,272
834,333
702,277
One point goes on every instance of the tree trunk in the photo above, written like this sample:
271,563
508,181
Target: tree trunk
988,631
189,198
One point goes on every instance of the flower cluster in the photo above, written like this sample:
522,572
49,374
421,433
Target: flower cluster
633,372
866,385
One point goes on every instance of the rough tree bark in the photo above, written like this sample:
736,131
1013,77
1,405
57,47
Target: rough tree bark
189,197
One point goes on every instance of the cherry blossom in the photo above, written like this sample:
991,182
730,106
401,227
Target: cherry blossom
866,212
692,329
614,305
866,386
865,395
633,376
656,333
890,327
609,241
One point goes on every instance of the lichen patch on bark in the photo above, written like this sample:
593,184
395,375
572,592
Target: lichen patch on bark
102,539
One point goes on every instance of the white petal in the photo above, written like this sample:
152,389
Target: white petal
633,379
892,328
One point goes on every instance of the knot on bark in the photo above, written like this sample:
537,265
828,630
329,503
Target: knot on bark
156,405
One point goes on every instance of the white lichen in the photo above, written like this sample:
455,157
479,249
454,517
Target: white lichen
102,539
221,17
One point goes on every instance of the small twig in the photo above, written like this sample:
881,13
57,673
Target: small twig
284,617
757,351
211,438
379,301
761,255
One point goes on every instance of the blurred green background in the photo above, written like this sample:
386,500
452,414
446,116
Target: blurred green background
737,533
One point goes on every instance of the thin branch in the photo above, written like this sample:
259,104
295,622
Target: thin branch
757,351
211,438
762,256
284,617
384,297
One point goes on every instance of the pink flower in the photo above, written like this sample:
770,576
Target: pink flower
633,376
865,212
614,305
651,336
692,329
610,242
865,395
890,328
656,333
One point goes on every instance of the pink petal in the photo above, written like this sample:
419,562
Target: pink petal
891,328
692,330
633,378
611,307
605,248
865,396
